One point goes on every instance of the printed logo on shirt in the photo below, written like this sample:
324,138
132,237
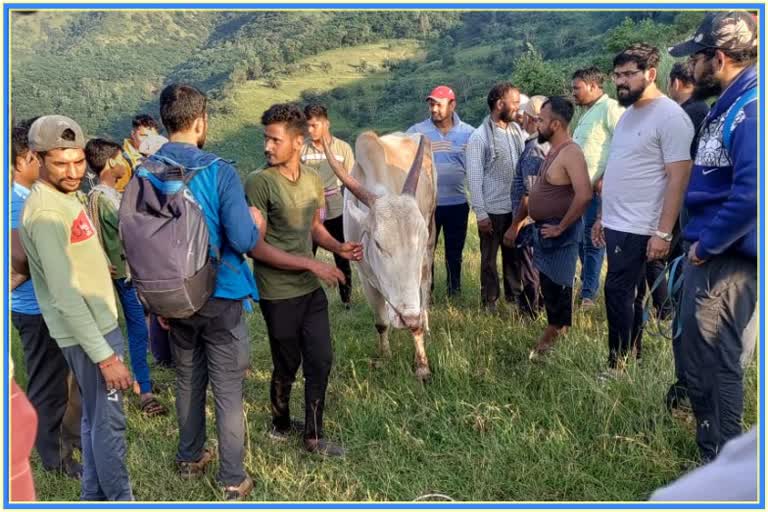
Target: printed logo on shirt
81,230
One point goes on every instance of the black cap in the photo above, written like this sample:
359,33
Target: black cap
728,30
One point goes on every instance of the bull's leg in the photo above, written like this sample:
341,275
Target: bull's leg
384,350
420,355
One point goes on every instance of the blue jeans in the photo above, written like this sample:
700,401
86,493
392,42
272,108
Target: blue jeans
591,257
138,334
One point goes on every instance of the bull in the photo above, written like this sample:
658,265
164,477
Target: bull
389,205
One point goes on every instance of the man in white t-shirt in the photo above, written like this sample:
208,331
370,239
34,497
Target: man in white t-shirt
648,167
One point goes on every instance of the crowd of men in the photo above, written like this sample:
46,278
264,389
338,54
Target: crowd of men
642,181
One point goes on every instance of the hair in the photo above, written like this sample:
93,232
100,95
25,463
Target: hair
180,105
742,58
288,113
315,110
497,92
561,109
144,121
590,75
20,139
683,72
98,152
644,55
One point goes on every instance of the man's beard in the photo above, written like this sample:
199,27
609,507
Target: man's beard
632,96
507,115
543,137
707,87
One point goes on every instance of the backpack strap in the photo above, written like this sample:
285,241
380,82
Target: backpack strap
738,105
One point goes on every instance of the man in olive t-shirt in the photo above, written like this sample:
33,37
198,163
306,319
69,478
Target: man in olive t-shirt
289,197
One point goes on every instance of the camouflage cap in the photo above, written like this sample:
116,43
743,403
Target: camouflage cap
727,30
49,132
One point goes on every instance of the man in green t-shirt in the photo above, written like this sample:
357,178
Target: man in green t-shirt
72,283
106,160
289,198
312,155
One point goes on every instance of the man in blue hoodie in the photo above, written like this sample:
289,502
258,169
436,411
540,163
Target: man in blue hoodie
720,290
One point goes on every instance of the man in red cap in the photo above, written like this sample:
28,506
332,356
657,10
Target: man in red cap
449,136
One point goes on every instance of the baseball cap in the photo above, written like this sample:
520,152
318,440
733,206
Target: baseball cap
442,92
533,107
727,30
47,133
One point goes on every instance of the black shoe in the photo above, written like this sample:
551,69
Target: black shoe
70,467
324,448
296,428
347,305
677,397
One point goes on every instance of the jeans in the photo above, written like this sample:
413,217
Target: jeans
102,431
591,257
452,221
719,301
138,334
212,346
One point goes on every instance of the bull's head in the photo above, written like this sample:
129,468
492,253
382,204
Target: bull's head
395,238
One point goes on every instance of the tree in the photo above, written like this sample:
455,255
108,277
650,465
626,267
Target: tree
534,76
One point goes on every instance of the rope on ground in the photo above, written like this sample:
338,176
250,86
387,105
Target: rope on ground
674,284
443,497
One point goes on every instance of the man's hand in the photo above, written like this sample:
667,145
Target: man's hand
328,274
598,234
163,323
510,236
485,227
692,255
258,219
551,231
17,279
112,271
351,250
115,374
657,248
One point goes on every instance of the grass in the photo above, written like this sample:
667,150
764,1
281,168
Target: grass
489,426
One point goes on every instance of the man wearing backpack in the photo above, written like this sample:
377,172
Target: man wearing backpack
720,277
72,283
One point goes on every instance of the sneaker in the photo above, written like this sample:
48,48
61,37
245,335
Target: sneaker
324,448
239,492
296,428
190,470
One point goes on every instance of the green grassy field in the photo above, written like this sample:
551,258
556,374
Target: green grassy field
489,426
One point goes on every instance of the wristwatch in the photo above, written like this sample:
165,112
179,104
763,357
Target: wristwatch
667,237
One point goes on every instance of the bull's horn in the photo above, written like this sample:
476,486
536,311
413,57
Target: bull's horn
412,180
358,189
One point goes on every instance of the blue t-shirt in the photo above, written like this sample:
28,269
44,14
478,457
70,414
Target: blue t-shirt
23,298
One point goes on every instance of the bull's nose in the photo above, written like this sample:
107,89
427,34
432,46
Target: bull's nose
412,321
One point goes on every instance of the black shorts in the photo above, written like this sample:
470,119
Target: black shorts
558,302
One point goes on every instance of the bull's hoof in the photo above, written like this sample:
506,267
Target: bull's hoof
423,374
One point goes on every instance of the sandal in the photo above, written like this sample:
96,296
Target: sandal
190,470
239,492
150,408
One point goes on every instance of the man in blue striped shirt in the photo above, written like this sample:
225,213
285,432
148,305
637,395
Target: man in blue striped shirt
449,136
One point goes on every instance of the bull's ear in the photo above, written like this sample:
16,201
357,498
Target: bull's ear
358,215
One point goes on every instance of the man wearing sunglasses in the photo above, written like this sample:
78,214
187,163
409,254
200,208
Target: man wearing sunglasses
720,277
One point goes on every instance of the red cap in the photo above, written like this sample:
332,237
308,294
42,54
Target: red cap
442,92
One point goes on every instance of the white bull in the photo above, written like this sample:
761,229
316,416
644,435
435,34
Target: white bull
389,206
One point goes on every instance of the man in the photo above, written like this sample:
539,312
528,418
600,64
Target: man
105,158
493,151
289,197
680,89
556,203
51,388
312,155
449,136
143,126
645,178
72,282
526,175
593,134
720,277
213,344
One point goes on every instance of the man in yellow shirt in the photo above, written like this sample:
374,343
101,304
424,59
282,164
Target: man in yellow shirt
72,282
593,134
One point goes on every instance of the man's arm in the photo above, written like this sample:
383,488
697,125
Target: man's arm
678,174
474,163
19,262
576,168
239,230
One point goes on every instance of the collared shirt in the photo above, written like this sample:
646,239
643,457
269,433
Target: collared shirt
492,155
594,132
23,298
315,158
449,158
